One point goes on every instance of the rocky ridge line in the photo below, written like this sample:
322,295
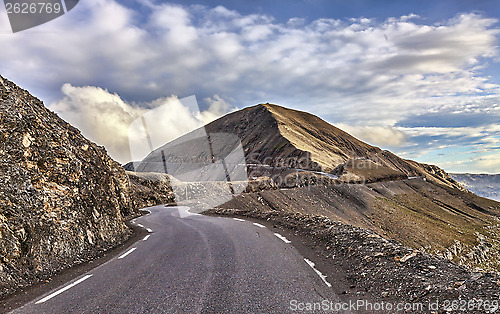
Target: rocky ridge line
63,200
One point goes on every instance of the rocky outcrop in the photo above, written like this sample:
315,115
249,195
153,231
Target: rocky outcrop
150,189
275,139
63,200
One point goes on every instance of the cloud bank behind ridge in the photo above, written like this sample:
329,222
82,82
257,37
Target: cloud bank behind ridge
367,74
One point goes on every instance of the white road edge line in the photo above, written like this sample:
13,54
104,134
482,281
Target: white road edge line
323,277
259,225
238,219
50,296
127,253
146,237
282,238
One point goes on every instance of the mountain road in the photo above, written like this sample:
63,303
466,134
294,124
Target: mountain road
197,264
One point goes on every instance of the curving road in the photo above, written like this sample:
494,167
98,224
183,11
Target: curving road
193,264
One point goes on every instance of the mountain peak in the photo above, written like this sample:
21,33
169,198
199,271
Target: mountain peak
279,137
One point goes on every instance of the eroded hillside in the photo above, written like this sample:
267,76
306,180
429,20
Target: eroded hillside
322,170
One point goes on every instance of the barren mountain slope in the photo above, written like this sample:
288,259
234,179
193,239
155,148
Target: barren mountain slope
331,147
328,145
430,211
416,204
255,127
286,138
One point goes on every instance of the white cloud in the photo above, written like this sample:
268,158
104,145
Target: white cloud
329,64
105,118
456,149
487,134
256,32
217,107
376,135
472,164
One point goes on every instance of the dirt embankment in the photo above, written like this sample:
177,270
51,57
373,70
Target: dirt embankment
384,269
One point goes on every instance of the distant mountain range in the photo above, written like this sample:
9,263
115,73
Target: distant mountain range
485,185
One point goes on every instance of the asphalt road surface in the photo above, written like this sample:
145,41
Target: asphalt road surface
194,264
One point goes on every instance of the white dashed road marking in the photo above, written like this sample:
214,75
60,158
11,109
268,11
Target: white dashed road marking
50,296
323,277
146,237
127,253
259,225
282,238
140,225
238,219
149,230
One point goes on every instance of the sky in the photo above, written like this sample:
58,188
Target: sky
419,78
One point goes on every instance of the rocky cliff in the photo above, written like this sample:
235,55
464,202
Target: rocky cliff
150,189
62,198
